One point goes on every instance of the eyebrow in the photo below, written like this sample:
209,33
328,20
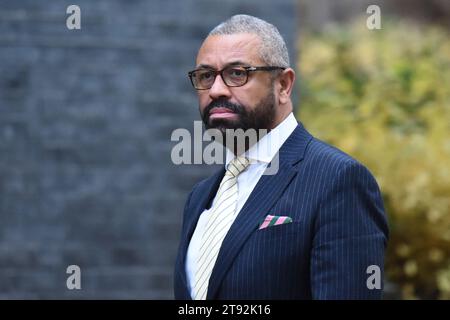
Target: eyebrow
231,64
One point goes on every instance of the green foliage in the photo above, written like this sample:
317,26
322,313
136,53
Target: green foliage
383,96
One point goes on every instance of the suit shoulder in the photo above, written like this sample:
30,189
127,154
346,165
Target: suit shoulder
329,158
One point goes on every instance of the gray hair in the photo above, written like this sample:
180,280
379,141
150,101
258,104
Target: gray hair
273,48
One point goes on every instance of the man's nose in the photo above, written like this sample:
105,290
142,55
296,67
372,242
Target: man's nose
219,89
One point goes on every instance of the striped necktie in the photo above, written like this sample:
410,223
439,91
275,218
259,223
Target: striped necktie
221,218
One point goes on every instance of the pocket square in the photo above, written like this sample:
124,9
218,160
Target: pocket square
274,221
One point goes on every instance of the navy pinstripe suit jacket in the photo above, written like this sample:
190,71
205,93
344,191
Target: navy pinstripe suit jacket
339,229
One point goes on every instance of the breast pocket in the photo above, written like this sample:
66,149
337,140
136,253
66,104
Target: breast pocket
277,231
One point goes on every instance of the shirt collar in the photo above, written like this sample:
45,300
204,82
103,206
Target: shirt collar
267,147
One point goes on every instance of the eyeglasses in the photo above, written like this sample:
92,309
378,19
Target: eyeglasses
232,76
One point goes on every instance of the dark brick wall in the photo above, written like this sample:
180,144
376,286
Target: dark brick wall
85,124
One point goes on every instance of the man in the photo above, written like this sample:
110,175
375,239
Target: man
314,230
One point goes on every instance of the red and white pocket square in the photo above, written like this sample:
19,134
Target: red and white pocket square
270,221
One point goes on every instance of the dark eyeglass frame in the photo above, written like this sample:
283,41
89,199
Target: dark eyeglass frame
247,69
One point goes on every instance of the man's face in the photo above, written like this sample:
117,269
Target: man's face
249,106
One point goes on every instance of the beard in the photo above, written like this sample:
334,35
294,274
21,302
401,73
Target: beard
262,116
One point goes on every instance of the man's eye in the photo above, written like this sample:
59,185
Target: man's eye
237,73
205,75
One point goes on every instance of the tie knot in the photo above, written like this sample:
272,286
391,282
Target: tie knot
237,165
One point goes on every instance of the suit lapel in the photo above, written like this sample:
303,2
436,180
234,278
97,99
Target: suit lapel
205,193
268,189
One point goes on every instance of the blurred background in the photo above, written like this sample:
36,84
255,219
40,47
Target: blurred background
86,118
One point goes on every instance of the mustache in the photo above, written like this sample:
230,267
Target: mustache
221,103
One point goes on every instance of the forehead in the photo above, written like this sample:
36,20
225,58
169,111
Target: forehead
219,50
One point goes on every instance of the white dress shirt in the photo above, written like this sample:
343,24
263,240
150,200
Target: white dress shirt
260,155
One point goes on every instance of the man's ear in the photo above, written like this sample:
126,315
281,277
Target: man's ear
285,85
